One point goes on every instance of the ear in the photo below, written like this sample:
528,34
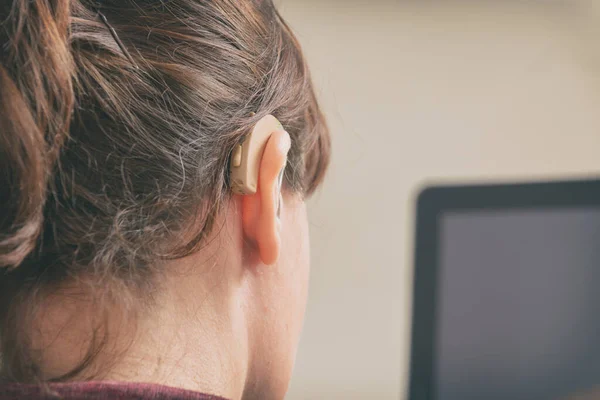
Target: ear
260,211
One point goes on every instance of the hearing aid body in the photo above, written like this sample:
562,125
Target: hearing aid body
245,158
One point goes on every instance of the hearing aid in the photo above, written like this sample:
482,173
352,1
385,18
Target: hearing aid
246,156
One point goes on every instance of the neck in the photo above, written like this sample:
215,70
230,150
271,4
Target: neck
193,339
194,335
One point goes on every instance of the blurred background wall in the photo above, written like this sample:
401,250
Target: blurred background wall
417,92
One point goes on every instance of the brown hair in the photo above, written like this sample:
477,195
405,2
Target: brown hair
103,163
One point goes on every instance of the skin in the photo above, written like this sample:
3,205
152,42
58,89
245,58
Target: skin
226,320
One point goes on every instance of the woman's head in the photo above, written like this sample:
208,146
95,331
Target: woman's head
112,167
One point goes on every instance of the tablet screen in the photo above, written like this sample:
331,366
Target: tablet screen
518,313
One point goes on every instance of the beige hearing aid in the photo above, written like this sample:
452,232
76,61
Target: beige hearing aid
246,157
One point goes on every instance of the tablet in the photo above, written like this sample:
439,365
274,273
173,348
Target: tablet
506,301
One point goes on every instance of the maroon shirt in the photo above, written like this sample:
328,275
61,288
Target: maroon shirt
99,391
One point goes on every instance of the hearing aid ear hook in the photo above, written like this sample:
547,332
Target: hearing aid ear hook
246,157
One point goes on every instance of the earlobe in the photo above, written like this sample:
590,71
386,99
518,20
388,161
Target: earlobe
262,210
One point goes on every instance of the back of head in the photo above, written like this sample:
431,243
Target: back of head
110,152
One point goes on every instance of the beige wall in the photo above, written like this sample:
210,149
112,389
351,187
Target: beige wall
420,91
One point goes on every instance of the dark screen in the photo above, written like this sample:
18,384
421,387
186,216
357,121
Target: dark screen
518,304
